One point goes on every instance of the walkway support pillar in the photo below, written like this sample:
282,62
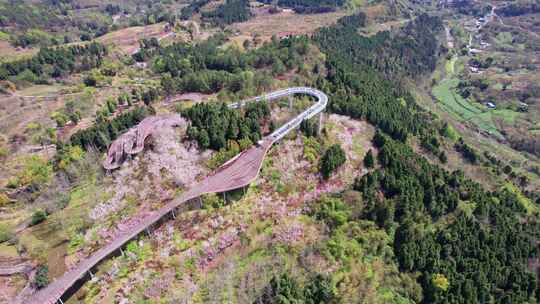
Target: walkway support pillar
290,102
320,122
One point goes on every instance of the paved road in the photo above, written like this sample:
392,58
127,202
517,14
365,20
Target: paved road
236,173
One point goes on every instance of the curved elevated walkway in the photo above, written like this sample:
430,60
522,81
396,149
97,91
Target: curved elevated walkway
132,141
237,173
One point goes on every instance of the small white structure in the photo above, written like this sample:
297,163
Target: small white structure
491,105
141,65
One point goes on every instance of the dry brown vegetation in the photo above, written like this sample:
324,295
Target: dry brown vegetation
127,40
266,24
9,52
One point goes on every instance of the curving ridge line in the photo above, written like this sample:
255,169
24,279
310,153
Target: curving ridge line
237,173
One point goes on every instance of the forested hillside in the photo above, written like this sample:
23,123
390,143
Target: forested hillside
481,252
206,68
469,245
230,12
54,62
365,72
389,195
311,6
46,23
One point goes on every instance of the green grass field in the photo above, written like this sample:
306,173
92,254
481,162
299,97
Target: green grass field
465,110
41,90
4,36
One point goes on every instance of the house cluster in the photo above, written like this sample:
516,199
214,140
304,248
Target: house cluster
474,67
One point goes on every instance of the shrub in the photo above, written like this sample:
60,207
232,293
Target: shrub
332,211
440,282
213,201
332,159
36,172
5,233
4,199
60,118
369,161
75,242
468,152
3,152
38,217
312,149
67,154
42,276
62,200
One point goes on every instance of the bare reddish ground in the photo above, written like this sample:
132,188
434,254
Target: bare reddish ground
7,51
266,24
194,97
127,40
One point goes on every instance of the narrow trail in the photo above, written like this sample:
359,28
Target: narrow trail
24,267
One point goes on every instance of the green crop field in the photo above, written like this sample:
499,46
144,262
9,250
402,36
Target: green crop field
464,110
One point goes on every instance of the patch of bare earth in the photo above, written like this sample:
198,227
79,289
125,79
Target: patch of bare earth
266,24
127,40
9,52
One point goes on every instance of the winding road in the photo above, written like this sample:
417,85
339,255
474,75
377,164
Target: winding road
236,173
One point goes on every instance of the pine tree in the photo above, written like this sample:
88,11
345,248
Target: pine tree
369,161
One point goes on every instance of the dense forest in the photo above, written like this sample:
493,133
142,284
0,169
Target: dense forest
213,125
461,243
410,51
484,249
102,133
312,6
55,62
362,73
518,9
443,223
193,8
229,12
206,67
